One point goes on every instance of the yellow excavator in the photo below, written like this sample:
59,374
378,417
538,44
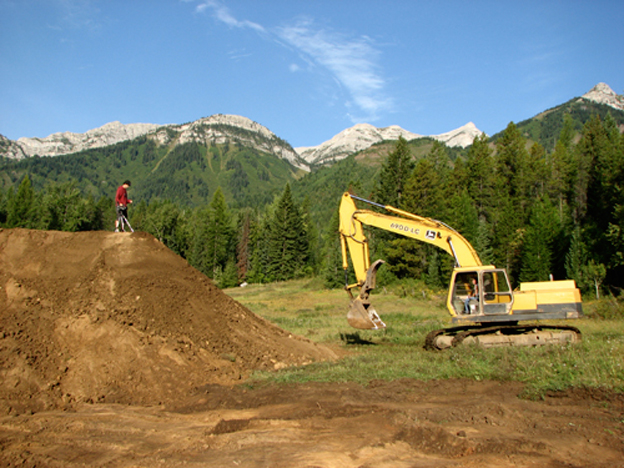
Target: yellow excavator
484,309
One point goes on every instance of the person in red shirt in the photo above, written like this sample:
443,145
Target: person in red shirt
121,204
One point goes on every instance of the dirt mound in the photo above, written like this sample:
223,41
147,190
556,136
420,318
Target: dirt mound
119,318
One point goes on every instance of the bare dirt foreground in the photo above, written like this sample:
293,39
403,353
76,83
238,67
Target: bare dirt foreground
115,353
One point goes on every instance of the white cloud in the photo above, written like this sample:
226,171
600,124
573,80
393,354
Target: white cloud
353,62
223,14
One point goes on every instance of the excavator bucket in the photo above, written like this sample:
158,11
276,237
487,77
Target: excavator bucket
363,315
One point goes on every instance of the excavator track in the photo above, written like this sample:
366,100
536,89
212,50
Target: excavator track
502,335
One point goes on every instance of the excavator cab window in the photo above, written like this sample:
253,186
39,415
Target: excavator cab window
497,295
494,296
464,301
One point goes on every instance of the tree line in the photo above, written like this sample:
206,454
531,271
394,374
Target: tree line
540,214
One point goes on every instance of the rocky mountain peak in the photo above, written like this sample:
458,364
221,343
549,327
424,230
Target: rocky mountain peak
462,136
362,136
221,128
603,94
233,121
68,142
351,140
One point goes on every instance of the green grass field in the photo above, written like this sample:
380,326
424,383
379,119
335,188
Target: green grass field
307,309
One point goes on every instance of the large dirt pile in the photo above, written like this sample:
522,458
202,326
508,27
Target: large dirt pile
106,317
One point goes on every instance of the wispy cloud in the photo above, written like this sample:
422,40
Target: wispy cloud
80,14
352,61
222,13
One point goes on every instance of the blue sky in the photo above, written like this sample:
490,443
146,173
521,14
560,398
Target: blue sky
305,69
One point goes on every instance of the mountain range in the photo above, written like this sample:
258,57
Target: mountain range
220,128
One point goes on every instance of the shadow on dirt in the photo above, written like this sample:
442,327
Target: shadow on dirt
355,339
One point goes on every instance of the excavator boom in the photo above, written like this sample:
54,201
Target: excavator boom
406,224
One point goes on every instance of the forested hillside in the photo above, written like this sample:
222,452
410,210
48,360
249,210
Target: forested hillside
359,172
238,214
546,127
187,174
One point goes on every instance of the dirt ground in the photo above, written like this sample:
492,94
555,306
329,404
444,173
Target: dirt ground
115,353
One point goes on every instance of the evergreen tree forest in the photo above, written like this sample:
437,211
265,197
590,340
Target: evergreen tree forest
538,213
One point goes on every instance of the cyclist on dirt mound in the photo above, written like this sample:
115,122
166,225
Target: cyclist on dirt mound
121,206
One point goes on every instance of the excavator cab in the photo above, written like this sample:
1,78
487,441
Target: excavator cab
479,291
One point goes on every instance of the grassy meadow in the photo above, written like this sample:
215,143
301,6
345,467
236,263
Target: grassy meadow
305,308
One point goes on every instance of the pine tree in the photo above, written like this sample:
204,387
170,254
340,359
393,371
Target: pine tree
435,277
259,247
463,216
244,245
198,254
483,243
288,241
313,241
558,187
165,221
507,235
538,173
512,188
22,208
615,231
480,169
219,234
576,258
422,190
566,136
3,207
512,167
64,208
537,256
395,171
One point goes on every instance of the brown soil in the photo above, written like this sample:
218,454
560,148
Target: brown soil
114,352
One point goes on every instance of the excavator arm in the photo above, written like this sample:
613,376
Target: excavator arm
354,244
